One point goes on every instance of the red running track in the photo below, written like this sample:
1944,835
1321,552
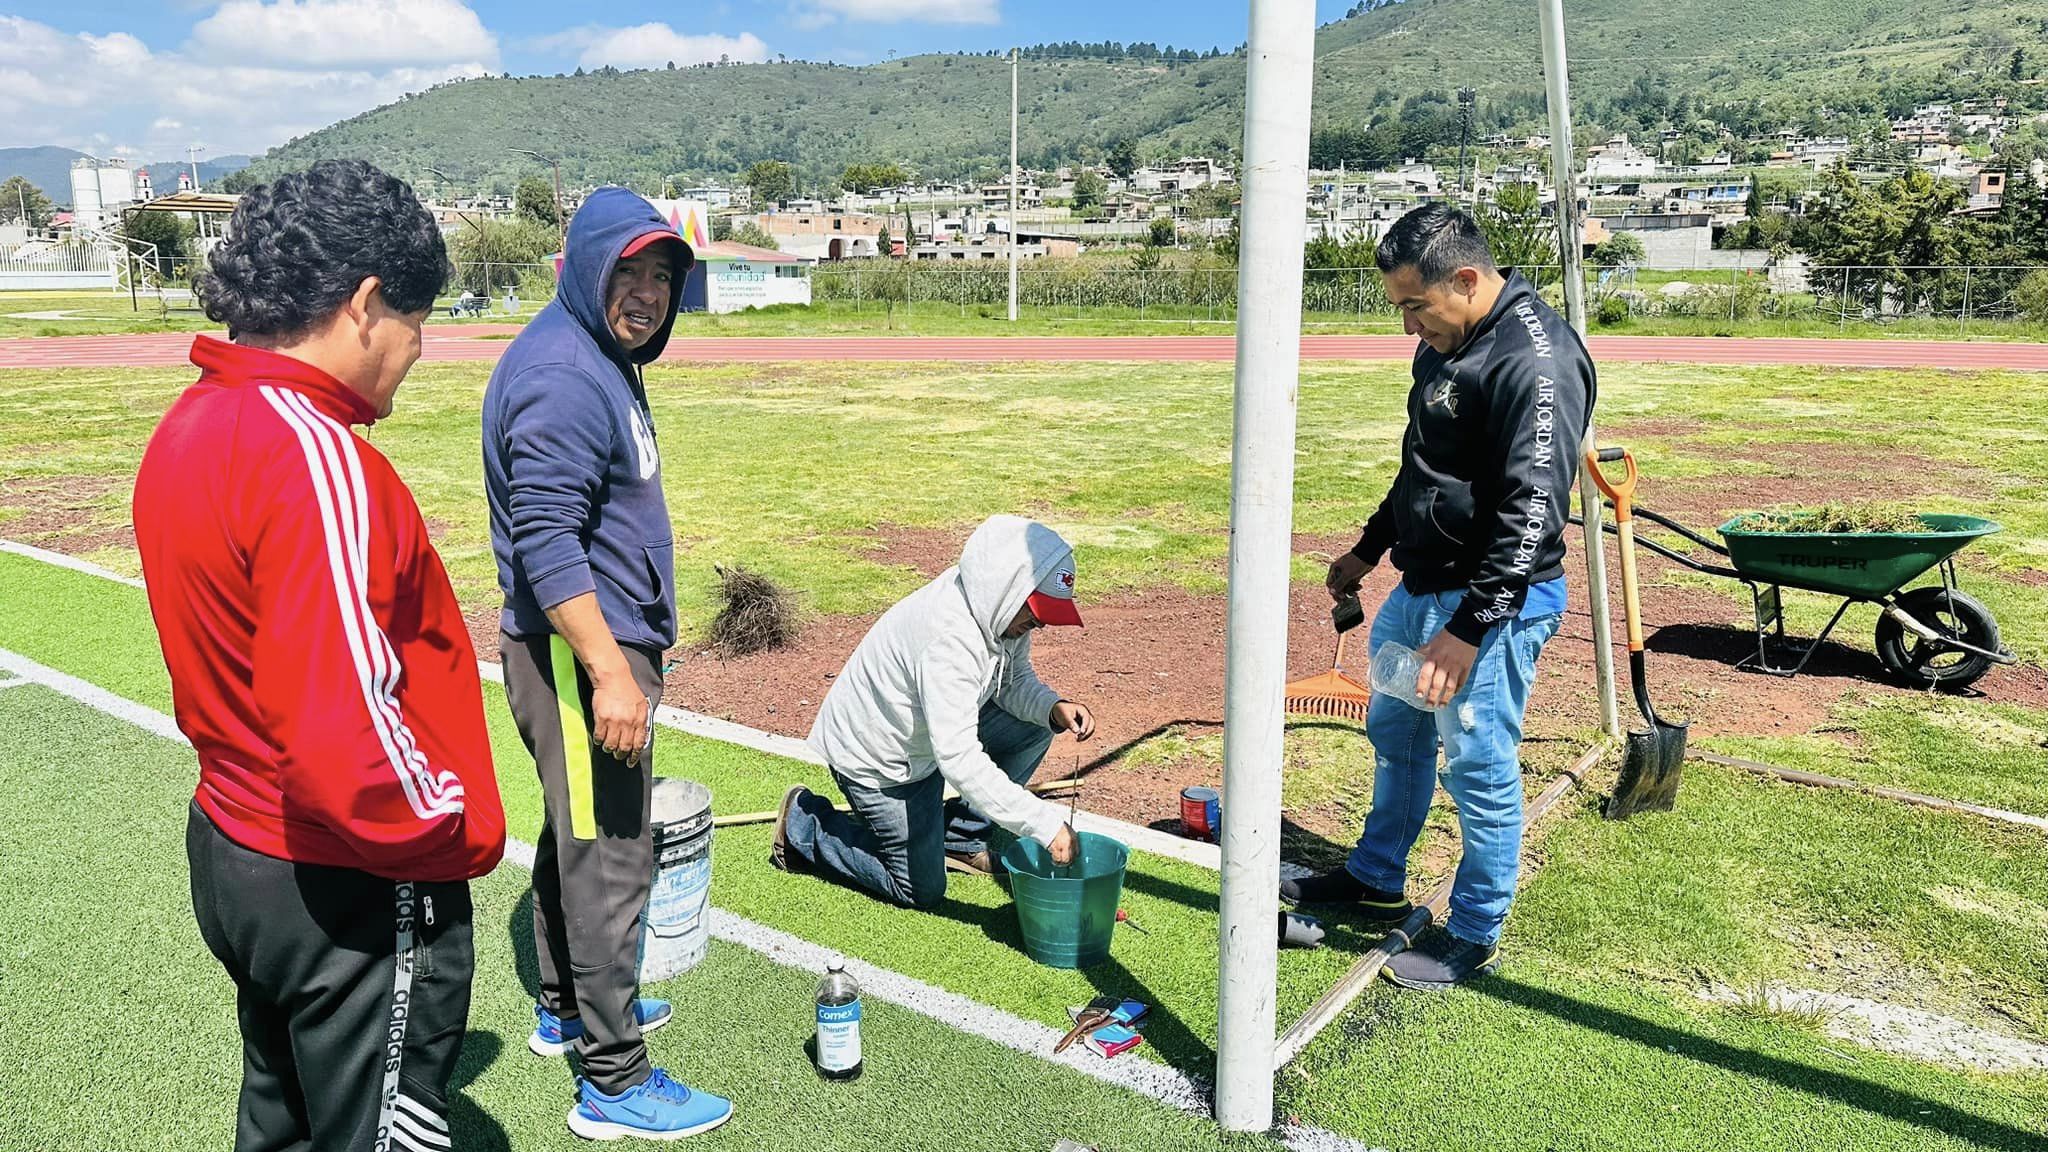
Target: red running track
465,342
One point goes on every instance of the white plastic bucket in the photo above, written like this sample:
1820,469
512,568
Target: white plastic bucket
675,927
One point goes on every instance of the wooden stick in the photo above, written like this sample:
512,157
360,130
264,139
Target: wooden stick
739,819
1367,968
1816,780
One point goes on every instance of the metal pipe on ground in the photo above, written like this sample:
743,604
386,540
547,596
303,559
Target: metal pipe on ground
1367,968
1817,780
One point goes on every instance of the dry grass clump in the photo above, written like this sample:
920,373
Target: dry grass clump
755,613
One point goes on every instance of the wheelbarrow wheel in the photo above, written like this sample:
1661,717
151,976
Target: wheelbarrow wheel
1920,663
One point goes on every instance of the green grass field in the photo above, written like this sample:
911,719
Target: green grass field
124,1019
1595,1034
1578,1043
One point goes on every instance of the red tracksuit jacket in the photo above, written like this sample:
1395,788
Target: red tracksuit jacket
319,663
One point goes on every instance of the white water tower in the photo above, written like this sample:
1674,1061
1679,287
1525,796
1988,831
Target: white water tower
117,187
99,190
87,209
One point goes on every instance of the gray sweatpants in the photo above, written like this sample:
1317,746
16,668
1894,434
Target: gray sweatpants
594,862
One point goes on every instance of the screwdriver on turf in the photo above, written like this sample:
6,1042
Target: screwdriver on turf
1123,917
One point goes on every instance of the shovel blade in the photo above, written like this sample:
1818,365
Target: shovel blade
1650,770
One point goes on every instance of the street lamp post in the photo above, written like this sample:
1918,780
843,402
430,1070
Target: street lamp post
561,225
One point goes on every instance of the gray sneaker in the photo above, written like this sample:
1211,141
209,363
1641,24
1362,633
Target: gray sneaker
1440,961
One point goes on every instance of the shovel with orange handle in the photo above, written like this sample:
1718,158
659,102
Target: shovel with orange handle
1653,760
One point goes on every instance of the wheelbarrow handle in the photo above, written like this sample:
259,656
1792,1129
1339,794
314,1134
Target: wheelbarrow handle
1623,491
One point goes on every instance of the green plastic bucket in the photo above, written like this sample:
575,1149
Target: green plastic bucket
1067,914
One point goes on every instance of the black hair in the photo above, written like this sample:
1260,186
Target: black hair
1436,240
298,247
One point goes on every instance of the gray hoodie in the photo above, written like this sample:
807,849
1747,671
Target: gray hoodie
909,701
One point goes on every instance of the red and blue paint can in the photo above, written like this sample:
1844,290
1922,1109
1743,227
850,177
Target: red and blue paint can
1201,813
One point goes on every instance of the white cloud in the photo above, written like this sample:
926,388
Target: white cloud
343,33
651,45
897,11
97,93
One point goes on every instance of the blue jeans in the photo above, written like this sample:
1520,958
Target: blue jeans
1480,732
895,844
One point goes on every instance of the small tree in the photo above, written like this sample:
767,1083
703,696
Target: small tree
21,202
1089,189
494,254
1161,233
164,231
865,178
1621,250
1520,235
748,232
885,244
1123,158
1753,207
535,200
773,181
721,228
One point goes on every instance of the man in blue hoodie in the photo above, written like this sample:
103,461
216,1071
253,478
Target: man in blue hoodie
585,558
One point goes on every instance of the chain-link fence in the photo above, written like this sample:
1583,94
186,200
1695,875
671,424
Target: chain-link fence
475,291
1097,289
1934,300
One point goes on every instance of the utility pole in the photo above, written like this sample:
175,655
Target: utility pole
1337,204
1280,71
1465,99
1557,83
561,225
1013,185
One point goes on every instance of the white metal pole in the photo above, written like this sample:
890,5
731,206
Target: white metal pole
1277,87
1013,185
1569,239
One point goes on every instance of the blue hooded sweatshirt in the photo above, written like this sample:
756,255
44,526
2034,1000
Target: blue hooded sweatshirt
571,465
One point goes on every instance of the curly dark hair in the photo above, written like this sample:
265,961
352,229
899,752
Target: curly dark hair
302,244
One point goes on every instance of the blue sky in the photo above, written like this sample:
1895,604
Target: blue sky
146,79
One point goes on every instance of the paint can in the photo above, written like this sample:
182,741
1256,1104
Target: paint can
675,927
1201,813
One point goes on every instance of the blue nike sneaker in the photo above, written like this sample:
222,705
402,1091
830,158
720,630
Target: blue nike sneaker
657,1108
553,1036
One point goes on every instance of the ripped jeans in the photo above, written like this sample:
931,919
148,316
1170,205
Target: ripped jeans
1480,732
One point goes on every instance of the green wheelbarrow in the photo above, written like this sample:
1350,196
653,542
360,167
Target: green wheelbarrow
1931,637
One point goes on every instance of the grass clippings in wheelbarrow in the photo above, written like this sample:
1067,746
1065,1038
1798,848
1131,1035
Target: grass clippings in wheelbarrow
1834,519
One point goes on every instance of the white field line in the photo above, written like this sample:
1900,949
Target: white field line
12,682
1154,1081
62,561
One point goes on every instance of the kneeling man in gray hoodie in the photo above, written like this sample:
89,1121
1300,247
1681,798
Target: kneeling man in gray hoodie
941,691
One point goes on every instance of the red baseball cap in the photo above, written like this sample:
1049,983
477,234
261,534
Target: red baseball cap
645,238
1053,601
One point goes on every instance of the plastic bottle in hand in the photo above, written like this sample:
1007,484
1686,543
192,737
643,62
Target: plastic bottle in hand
838,1042
1395,668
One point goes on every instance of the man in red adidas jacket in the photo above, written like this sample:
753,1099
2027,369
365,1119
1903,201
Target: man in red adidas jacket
320,665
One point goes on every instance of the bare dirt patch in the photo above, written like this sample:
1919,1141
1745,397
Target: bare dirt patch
66,513
1154,661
